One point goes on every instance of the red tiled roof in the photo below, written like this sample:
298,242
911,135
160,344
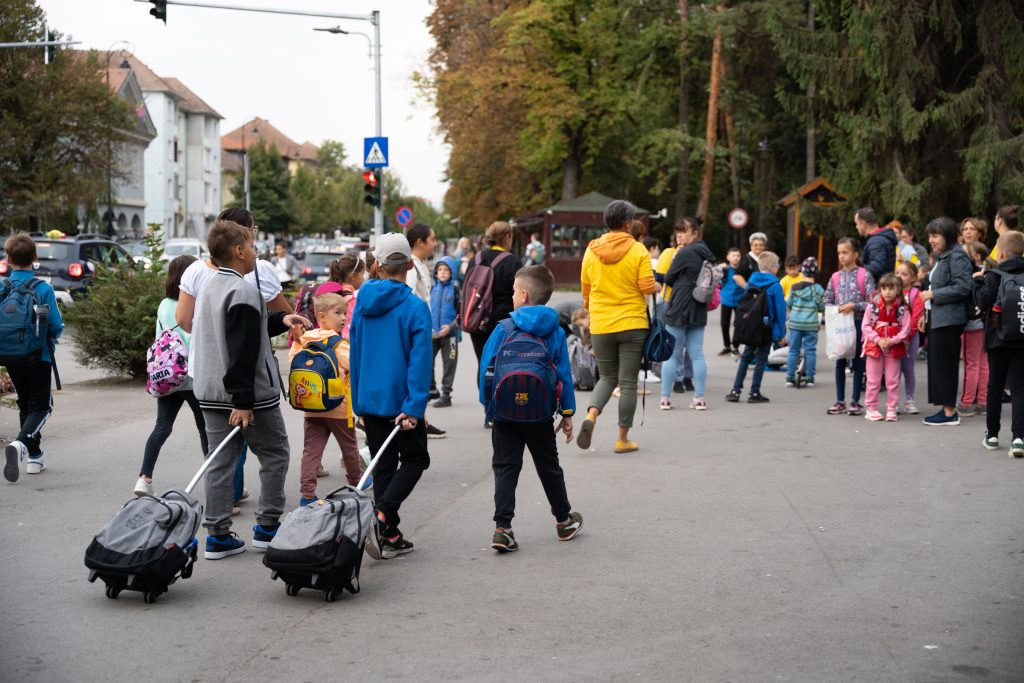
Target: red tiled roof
190,102
251,132
308,151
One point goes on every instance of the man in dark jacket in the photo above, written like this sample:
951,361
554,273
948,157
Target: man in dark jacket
1005,357
879,252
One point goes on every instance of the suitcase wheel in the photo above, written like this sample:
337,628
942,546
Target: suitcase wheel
149,597
186,571
113,590
332,594
292,589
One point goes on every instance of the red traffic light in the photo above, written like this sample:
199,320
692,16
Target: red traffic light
370,177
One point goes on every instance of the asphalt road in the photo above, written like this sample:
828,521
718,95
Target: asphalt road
746,543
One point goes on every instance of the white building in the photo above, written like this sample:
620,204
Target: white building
182,165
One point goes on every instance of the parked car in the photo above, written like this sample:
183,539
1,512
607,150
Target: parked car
138,252
317,266
68,264
184,245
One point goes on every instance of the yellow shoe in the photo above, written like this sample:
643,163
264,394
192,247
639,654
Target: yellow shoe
586,430
626,446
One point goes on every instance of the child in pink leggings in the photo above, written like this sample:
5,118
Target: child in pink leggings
886,328
974,397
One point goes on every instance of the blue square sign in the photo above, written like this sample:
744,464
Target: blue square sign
375,152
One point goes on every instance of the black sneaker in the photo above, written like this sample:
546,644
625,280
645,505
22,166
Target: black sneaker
393,547
733,397
688,384
488,423
223,545
504,541
444,402
679,387
434,393
435,432
725,352
757,398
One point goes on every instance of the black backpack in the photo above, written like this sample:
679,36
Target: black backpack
753,326
1010,300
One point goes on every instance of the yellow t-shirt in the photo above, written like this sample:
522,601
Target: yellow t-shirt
787,282
664,262
616,276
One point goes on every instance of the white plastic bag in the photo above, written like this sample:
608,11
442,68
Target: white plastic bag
840,334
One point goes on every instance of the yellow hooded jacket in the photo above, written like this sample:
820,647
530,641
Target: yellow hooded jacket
616,276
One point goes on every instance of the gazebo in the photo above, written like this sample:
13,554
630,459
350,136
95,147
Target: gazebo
804,243
566,229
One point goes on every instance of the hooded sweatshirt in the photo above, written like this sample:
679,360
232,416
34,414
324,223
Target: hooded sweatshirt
683,310
444,299
341,352
805,302
616,276
879,254
540,321
776,302
391,351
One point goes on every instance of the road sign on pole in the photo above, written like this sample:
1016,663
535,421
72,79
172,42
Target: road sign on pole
738,219
403,216
375,152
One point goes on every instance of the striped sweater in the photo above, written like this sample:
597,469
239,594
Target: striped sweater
805,301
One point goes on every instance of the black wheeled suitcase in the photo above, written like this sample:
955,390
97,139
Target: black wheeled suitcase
320,546
151,541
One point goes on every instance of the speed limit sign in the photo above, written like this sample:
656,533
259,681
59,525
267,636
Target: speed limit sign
738,218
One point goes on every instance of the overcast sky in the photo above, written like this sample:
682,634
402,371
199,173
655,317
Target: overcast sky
310,85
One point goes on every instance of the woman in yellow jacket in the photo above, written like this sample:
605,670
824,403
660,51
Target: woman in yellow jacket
616,276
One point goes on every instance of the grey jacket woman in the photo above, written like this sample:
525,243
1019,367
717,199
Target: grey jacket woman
683,310
951,287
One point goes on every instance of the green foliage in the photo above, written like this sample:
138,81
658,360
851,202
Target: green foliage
58,122
114,324
268,189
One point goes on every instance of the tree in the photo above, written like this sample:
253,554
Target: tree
58,122
268,189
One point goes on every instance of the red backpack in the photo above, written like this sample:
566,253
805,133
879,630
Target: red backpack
478,293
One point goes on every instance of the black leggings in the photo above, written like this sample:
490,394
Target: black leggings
944,364
726,325
167,408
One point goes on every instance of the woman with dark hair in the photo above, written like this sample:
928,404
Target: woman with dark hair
686,317
946,311
616,276
497,242
168,405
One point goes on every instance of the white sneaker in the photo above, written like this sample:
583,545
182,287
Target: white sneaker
34,466
143,487
15,452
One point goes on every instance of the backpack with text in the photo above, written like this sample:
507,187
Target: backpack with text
753,326
523,385
316,381
166,364
1009,305
24,322
478,293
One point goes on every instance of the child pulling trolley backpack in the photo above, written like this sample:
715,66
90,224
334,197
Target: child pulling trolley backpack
151,541
320,545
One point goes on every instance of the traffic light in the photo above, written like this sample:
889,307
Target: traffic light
159,10
372,188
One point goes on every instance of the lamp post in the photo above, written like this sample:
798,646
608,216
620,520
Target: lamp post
374,43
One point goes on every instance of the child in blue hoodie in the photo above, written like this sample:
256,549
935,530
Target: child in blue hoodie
444,322
768,262
390,368
519,419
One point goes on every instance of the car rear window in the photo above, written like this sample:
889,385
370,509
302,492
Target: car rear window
319,260
179,249
55,251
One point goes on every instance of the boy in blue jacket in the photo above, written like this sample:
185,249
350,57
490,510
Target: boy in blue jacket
390,365
768,262
444,321
32,378
531,290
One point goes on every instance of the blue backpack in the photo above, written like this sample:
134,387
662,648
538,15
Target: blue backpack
316,382
523,383
24,322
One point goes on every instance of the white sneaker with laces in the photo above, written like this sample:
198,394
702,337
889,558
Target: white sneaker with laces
34,466
143,487
15,452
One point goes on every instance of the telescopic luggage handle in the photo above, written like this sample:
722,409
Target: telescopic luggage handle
376,458
209,460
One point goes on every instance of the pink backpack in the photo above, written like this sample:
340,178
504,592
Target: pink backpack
166,364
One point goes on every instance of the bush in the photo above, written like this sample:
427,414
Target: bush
114,323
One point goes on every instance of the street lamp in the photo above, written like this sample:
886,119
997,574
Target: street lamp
110,143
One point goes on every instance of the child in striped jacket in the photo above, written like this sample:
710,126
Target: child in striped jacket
804,303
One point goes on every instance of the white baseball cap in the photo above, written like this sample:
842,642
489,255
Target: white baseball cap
392,249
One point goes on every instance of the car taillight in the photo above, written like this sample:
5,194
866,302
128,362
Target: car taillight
75,270
3,267
307,270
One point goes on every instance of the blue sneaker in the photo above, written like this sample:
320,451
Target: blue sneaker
303,502
940,419
263,535
223,545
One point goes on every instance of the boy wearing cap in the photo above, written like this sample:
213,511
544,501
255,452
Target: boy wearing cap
390,357
805,301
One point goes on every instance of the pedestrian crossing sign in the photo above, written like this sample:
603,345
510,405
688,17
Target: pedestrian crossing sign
375,152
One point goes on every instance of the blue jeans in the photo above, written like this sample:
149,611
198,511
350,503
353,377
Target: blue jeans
684,369
857,363
238,480
808,341
689,341
758,355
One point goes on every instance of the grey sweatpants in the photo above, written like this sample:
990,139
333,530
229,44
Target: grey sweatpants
269,443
